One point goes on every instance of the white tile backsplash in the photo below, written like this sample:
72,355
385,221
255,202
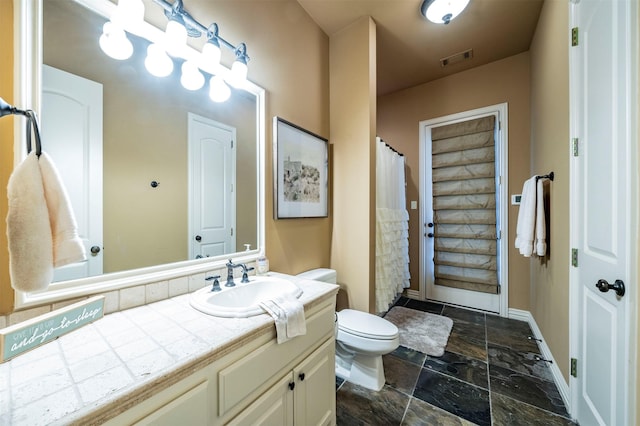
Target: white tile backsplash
178,286
132,297
157,291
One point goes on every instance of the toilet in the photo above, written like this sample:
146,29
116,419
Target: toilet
361,340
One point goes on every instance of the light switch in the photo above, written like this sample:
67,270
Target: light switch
515,199
414,205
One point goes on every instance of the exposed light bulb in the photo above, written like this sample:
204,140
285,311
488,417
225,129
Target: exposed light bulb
175,38
210,56
128,14
157,62
114,42
218,90
191,78
238,75
443,11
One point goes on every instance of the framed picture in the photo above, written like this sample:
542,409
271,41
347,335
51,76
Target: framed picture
301,170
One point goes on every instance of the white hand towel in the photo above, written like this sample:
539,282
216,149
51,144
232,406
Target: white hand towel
67,245
526,218
288,314
541,225
28,228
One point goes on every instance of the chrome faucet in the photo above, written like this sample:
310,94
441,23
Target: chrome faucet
230,267
245,276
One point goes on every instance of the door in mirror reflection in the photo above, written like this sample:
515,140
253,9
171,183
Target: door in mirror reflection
72,136
212,159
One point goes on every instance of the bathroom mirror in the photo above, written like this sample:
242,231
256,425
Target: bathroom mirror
147,174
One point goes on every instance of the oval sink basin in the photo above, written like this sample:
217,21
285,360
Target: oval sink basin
243,300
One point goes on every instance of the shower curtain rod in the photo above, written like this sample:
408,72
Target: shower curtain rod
392,148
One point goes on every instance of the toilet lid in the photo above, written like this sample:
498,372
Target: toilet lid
366,325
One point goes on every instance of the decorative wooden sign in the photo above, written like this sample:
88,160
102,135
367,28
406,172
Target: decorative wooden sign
30,334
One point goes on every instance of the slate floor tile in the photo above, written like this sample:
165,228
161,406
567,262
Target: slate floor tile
463,368
356,405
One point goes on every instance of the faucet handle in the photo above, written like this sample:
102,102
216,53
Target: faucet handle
216,283
245,276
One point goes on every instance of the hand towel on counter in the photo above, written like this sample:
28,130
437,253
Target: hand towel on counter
28,228
526,218
67,245
541,225
288,314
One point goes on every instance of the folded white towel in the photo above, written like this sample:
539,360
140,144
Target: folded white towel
28,228
526,218
288,314
67,245
541,225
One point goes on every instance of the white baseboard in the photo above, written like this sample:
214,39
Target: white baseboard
413,294
558,378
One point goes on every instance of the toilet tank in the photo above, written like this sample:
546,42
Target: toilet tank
321,274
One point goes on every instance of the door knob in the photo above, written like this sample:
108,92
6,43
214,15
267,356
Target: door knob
95,250
430,224
198,238
617,286
430,235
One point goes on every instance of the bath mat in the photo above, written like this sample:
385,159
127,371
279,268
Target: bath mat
421,331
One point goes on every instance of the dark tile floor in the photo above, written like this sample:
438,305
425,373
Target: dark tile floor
489,375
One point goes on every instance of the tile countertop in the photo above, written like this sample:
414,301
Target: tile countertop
97,368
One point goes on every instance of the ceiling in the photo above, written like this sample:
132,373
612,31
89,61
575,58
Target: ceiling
409,47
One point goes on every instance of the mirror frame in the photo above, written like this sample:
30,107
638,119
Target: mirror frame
27,93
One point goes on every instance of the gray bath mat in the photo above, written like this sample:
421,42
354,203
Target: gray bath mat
421,331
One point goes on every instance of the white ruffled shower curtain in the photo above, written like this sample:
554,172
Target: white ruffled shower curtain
392,227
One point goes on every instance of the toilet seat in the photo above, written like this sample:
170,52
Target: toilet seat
366,325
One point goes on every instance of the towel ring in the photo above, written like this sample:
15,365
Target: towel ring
32,123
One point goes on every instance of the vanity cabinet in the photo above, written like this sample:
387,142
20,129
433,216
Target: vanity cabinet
304,396
259,382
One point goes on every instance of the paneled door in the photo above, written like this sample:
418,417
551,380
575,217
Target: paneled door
72,136
463,165
212,197
603,174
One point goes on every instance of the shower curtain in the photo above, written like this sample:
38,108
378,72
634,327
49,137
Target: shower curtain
392,227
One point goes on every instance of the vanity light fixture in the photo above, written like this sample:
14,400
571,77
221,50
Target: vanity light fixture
442,11
173,43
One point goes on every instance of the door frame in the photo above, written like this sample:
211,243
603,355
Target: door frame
633,195
502,112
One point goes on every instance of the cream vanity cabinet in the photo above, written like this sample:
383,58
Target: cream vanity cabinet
257,382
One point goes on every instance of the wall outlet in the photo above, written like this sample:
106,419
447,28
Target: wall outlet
414,205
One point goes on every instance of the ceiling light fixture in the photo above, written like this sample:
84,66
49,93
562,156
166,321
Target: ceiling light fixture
130,13
442,11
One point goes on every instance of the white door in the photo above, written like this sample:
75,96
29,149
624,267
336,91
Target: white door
72,136
428,290
603,100
212,199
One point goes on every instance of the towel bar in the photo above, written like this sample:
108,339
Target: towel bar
550,176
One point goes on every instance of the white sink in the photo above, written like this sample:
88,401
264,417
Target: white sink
243,300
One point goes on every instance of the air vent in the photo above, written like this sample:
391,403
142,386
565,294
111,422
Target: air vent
455,58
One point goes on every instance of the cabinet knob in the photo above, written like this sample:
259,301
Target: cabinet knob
301,376
292,385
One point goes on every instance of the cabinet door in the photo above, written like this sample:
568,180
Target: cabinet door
274,407
315,392
190,408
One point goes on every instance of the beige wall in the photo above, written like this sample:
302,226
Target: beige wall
501,81
549,141
353,111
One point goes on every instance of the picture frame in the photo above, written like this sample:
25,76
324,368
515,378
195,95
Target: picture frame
300,171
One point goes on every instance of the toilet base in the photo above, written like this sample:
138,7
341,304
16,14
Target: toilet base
365,371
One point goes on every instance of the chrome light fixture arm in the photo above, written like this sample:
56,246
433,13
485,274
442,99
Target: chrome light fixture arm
195,29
